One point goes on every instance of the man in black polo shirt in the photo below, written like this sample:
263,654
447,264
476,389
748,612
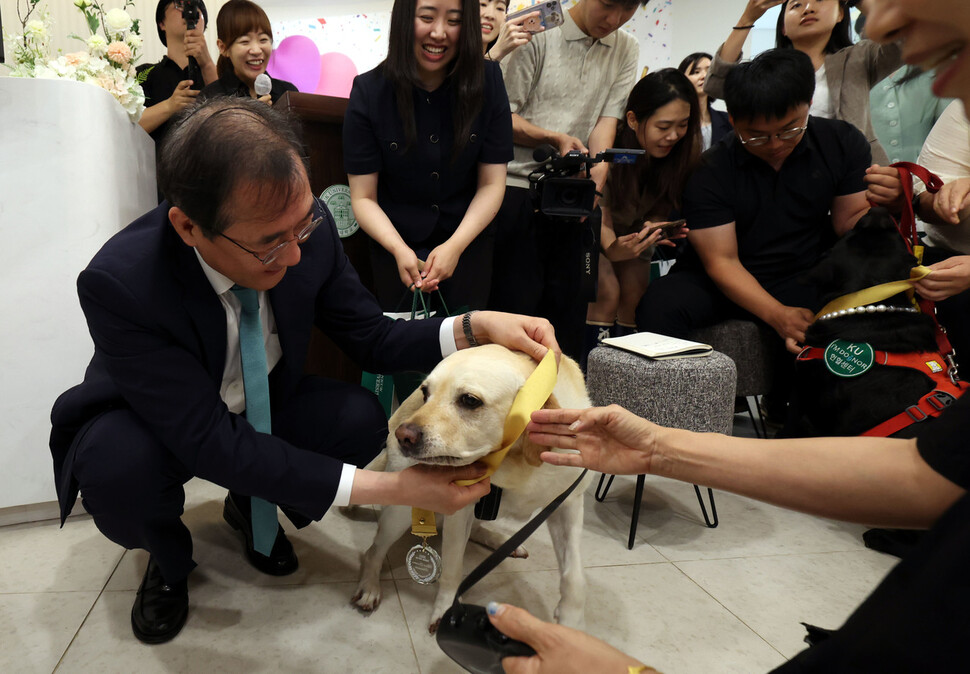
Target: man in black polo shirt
763,207
169,86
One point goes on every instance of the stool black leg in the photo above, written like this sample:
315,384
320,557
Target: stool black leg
710,495
598,496
760,428
636,511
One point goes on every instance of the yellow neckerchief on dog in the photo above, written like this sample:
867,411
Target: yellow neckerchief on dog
531,397
875,294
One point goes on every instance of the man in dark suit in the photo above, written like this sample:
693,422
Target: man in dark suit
161,400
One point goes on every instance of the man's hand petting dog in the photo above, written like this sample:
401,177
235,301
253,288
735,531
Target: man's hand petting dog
433,487
790,323
528,334
428,487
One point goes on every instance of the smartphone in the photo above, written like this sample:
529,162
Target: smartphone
674,224
549,16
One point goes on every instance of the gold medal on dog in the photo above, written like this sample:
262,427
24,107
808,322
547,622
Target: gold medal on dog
424,563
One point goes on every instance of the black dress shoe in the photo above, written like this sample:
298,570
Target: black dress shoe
160,608
282,560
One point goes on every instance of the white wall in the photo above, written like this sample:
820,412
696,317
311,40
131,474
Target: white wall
702,25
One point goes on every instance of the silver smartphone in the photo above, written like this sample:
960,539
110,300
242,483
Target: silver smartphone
549,16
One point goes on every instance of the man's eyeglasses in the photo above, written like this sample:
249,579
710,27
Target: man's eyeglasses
273,254
788,134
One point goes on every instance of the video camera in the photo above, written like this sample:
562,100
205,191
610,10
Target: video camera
554,189
190,12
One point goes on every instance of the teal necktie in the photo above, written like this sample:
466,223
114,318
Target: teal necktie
256,385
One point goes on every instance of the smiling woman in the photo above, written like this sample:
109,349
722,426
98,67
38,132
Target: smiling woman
245,45
427,135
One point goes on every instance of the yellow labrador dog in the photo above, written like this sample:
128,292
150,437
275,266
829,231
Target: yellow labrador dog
455,418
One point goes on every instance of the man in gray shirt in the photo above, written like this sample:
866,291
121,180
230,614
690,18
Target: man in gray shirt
567,88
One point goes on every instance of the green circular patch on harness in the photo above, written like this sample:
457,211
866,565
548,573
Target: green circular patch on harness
848,359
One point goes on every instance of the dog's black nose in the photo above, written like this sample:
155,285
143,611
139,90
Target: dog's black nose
409,437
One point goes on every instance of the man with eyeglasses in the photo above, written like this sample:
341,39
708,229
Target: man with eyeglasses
763,207
239,263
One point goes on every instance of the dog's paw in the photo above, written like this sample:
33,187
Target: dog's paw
569,617
519,553
433,627
367,598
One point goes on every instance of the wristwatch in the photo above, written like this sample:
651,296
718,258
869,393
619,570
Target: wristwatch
466,326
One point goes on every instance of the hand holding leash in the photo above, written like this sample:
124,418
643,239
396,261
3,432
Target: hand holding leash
559,650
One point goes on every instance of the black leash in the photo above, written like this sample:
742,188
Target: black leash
515,541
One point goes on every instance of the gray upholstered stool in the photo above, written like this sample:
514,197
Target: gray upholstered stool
751,346
696,394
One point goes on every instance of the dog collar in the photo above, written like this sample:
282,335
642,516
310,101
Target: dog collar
867,309
874,294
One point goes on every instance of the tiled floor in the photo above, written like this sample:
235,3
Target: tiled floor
685,599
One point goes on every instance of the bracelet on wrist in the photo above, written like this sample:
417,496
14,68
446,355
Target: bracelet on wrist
743,27
466,326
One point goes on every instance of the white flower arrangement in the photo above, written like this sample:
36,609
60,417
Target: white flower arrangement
108,60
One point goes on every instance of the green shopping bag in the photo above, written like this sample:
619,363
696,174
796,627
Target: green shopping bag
403,384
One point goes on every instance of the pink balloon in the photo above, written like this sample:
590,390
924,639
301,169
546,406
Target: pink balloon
337,73
297,60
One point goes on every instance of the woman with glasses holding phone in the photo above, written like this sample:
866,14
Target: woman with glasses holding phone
845,72
427,136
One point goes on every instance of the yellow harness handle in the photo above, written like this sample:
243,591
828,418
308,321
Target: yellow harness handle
875,293
531,397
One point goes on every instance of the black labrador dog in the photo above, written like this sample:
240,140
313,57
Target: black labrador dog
825,404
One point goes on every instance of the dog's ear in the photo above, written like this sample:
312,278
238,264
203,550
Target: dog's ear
531,450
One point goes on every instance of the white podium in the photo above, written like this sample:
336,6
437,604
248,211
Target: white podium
73,171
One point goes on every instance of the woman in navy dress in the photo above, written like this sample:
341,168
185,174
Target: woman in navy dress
427,136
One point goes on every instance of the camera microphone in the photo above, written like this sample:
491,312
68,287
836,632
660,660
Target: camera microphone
544,152
263,84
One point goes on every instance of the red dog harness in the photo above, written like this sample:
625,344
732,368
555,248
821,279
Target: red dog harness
933,364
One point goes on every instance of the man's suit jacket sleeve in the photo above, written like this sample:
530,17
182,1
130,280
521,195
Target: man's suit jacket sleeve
164,381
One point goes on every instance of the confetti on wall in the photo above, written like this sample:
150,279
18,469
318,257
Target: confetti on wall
363,37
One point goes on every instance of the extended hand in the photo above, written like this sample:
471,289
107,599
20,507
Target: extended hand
884,187
529,334
948,278
559,650
609,439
